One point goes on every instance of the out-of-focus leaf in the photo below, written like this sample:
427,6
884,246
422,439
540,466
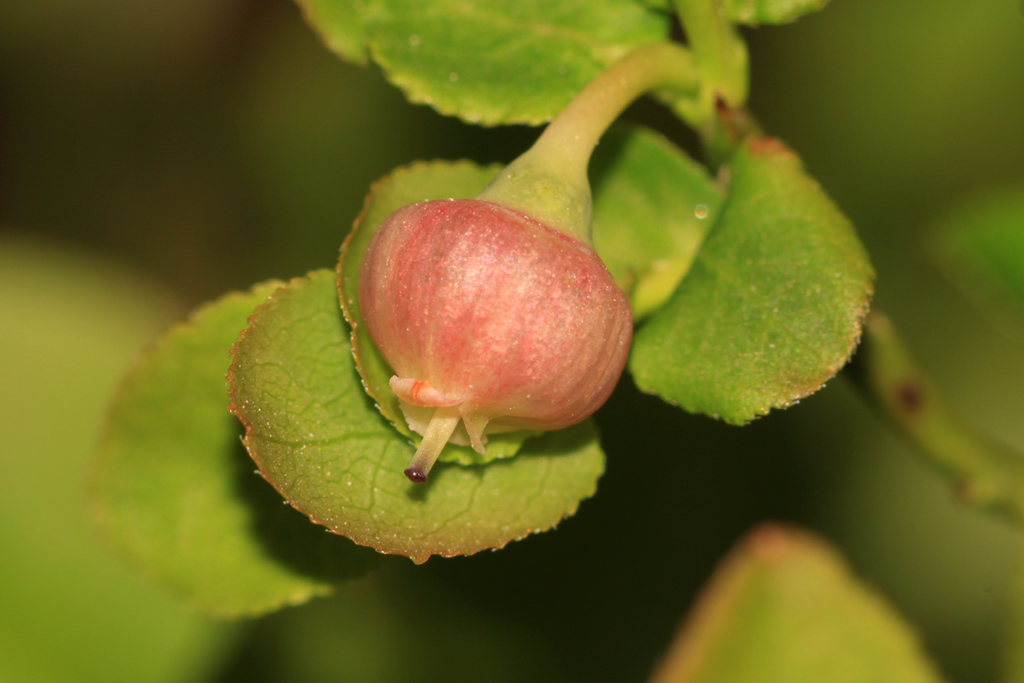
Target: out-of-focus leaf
492,62
176,494
784,607
981,245
318,438
754,12
70,611
773,305
408,185
653,205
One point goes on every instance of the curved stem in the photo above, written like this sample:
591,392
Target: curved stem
575,133
549,182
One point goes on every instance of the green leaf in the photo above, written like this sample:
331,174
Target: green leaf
70,611
773,305
784,607
407,185
494,62
316,435
342,24
754,12
981,244
175,493
653,205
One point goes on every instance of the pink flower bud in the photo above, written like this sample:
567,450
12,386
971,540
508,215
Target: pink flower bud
491,319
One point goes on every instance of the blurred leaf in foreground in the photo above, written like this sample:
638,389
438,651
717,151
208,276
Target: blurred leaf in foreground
176,494
784,607
71,611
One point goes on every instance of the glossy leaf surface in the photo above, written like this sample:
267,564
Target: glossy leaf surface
318,438
70,610
488,62
773,305
176,493
785,607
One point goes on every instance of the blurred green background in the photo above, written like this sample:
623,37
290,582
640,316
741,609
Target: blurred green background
156,154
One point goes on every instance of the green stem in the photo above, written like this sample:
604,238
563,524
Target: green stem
724,133
985,474
575,133
549,182
721,55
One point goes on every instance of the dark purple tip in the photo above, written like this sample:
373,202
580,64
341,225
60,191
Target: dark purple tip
416,475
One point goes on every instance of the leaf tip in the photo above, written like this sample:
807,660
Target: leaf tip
768,146
773,541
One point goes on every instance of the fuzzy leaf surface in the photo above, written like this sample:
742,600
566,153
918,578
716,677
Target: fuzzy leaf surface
318,438
754,12
784,606
981,244
494,62
653,206
408,185
176,494
773,305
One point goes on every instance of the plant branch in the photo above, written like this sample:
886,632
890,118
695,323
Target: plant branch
721,56
985,474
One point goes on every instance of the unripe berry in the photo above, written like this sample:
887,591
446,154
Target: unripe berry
495,313
490,318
